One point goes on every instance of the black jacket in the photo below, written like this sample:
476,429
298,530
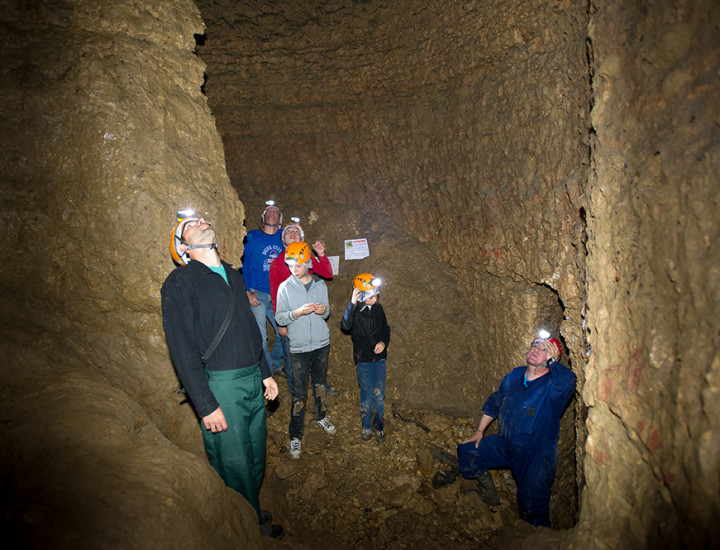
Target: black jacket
194,305
367,326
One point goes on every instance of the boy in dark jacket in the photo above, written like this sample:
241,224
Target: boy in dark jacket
365,320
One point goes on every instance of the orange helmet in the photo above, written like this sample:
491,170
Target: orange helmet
368,284
297,253
180,258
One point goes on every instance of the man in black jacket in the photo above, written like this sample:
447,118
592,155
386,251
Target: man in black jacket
223,372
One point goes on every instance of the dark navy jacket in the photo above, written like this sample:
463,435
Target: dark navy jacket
530,415
367,327
194,304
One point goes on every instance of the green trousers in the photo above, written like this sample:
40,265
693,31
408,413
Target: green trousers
238,454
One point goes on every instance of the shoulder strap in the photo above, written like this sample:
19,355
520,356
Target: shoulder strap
205,358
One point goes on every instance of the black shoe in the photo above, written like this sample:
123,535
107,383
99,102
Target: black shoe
487,491
265,517
442,478
273,531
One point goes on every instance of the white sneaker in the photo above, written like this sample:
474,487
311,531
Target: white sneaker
325,425
295,448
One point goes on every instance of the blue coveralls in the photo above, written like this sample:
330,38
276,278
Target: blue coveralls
529,416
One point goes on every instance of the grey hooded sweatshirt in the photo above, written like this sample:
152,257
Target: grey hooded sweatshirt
307,332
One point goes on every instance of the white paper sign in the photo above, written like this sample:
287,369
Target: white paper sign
356,249
335,264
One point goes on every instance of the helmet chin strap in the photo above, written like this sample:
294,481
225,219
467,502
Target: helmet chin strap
194,246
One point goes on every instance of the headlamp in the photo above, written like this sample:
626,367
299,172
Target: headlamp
187,213
544,334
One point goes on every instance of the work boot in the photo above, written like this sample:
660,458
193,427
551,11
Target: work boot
487,490
265,517
273,531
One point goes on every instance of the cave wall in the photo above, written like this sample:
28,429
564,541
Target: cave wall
106,134
458,139
455,138
653,279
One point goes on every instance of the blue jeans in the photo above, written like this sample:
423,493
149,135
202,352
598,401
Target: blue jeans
306,366
371,378
261,312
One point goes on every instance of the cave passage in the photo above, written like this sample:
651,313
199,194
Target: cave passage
512,166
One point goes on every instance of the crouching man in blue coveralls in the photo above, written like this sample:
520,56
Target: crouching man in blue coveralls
529,404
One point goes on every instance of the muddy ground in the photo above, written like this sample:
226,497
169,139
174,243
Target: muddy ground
403,493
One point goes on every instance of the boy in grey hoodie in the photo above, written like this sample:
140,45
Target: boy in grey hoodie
303,306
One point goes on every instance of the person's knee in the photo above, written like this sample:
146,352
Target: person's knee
298,407
466,460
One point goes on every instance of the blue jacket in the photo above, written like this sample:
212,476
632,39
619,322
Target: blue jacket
530,415
194,305
260,251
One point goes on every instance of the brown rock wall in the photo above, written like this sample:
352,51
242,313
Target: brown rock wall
653,287
457,139
454,138
460,126
106,134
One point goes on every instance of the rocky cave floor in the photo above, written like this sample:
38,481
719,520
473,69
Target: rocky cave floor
403,493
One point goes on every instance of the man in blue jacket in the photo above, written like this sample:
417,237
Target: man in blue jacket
224,373
529,404
262,246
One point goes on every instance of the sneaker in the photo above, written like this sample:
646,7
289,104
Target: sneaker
380,435
295,448
273,531
331,392
325,425
365,435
